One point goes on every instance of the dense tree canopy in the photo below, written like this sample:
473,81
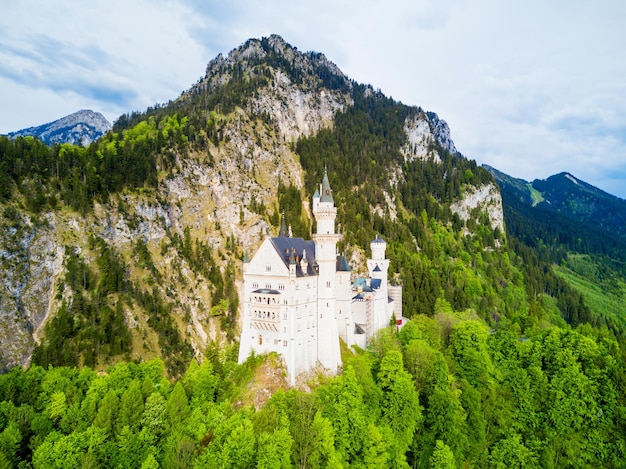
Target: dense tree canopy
489,400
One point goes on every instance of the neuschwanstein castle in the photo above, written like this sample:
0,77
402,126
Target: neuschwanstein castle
299,298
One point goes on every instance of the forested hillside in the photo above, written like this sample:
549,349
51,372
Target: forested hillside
120,266
573,243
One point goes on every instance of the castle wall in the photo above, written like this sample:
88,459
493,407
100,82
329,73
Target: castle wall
395,292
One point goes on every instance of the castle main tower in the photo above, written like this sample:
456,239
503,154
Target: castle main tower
326,241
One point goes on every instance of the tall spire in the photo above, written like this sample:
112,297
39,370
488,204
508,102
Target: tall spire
327,192
283,233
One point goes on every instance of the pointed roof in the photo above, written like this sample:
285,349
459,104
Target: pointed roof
378,240
327,192
283,233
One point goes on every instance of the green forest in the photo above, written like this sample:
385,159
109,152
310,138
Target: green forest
444,392
506,361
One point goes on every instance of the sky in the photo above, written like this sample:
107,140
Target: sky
531,87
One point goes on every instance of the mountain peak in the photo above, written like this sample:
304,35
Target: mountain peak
569,196
255,55
83,126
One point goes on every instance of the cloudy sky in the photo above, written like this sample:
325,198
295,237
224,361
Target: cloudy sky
531,87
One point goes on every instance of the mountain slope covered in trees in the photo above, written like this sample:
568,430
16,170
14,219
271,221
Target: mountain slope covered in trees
121,263
576,228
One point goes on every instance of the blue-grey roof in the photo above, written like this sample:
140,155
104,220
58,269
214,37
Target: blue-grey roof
361,283
378,239
296,247
374,284
377,269
267,291
327,193
342,264
283,233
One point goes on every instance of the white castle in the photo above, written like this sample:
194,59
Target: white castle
299,298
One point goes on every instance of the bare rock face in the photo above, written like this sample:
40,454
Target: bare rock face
419,139
441,132
424,130
298,112
486,198
31,260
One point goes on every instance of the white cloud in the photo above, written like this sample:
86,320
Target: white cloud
117,55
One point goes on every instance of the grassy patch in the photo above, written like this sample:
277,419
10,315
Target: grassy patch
603,302
535,195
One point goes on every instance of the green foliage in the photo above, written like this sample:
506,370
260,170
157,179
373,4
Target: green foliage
342,405
602,284
89,326
511,452
274,449
400,403
77,175
590,254
442,457
468,346
552,400
290,203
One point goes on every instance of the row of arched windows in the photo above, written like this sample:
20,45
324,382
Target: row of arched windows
267,315
266,300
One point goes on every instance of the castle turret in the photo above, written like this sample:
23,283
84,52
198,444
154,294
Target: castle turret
378,266
326,240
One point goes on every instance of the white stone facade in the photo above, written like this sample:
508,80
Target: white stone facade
299,297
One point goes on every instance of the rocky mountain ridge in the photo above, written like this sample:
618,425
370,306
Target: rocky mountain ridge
229,144
81,127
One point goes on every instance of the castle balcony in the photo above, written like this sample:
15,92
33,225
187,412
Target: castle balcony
265,310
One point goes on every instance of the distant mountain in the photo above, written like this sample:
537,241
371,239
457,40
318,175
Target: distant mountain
570,197
576,228
82,127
